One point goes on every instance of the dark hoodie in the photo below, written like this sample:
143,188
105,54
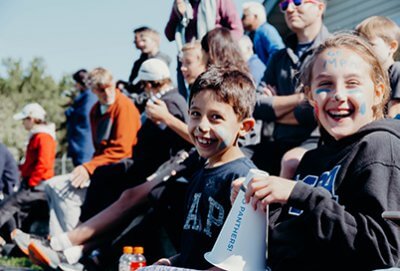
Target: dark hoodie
333,217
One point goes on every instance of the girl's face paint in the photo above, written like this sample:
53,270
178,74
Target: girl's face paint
322,90
343,73
363,109
213,127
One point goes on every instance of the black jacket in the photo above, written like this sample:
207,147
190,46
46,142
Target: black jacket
333,217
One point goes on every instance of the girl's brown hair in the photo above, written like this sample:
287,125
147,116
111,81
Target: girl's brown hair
223,50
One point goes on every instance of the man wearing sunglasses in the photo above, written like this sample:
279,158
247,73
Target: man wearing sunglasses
280,102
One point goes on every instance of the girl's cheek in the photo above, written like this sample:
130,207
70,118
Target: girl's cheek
316,110
357,95
316,104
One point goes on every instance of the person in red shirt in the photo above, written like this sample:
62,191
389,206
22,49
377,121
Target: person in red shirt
38,165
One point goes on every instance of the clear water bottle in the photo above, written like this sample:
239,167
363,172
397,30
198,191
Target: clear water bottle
125,259
138,260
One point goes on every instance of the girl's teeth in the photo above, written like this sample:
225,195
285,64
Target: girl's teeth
339,114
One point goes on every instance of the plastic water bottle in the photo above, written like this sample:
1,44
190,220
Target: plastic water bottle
125,259
138,260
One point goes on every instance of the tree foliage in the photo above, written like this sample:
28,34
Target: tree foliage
21,85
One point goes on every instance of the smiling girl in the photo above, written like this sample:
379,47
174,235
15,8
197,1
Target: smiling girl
329,218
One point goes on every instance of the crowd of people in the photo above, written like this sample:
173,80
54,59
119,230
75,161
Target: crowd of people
159,165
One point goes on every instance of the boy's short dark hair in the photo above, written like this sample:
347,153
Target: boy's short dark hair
233,87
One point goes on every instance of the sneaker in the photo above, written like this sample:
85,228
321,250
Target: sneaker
71,267
22,240
40,252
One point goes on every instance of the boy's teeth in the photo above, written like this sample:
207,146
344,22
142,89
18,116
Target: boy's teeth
203,141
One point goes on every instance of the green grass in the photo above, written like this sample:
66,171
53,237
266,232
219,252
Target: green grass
18,262
24,262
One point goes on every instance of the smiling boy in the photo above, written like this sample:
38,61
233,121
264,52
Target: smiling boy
221,103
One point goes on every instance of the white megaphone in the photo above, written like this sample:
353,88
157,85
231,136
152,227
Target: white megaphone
242,242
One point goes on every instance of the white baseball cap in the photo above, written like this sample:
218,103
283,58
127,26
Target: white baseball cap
153,69
33,110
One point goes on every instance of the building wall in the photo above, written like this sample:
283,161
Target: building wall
345,14
340,14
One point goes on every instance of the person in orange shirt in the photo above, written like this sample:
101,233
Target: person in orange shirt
38,165
115,122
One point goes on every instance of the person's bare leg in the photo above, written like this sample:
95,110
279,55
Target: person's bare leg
74,243
290,161
115,214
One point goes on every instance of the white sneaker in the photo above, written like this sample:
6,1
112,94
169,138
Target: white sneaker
71,267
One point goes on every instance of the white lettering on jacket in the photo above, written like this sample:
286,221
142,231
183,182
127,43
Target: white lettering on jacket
325,180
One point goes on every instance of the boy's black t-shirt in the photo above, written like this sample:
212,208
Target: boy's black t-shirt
207,205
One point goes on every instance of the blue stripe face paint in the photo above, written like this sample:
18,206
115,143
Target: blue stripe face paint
322,90
363,109
359,93
356,91
225,138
